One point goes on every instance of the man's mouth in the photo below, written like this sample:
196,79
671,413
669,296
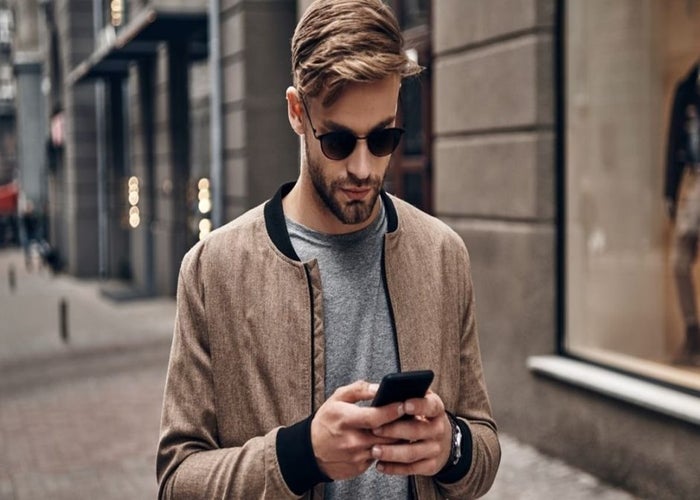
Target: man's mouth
355,193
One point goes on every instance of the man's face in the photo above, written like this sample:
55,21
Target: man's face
348,188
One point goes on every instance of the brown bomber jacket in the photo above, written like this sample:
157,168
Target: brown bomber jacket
247,363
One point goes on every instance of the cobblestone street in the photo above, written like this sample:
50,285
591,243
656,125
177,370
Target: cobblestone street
80,420
82,426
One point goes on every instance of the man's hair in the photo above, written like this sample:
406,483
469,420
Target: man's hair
338,42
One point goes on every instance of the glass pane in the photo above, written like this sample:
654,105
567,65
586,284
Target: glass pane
412,113
630,268
413,189
413,13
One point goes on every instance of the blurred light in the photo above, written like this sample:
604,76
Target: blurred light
116,10
134,212
204,228
205,206
205,225
204,196
134,220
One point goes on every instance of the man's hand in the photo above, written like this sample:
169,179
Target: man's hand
341,431
421,445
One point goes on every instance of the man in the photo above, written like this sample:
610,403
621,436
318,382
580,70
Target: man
286,314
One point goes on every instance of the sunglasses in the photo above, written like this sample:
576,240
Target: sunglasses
340,144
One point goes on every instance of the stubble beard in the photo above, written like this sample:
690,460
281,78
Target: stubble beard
353,212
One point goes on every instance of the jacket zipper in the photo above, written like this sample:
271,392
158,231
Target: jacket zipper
391,307
313,349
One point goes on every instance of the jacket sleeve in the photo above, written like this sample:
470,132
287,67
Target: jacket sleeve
481,449
190,462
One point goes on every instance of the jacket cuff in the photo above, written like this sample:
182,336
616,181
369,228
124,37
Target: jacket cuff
296,457
451,473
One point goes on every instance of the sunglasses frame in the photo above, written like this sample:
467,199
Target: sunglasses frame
320,138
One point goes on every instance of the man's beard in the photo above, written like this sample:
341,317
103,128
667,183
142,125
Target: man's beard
353,212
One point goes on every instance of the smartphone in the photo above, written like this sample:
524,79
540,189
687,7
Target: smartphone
400,386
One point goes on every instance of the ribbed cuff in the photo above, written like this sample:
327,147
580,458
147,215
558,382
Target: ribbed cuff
296,457
451,473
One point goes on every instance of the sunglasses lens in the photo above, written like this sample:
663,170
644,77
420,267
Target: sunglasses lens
337,145
383,142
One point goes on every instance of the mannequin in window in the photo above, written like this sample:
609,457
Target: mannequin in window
684,153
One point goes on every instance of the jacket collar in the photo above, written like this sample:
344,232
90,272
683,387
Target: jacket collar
277,227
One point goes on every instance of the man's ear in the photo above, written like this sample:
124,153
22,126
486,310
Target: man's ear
295,110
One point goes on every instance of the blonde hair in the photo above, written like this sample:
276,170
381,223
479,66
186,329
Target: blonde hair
338,42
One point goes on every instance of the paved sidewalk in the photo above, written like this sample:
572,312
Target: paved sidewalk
29,315
80,420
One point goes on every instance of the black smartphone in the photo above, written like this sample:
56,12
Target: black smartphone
398,387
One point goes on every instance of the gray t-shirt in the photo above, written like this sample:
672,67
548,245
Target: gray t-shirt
357,324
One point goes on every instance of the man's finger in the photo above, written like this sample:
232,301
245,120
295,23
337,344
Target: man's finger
355,392
372,418
407,430
406,453
430,406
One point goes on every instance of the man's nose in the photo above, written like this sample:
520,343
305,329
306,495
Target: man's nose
360,161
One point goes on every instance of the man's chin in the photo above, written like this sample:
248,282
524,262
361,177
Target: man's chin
354,212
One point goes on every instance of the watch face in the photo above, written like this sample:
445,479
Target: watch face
456,452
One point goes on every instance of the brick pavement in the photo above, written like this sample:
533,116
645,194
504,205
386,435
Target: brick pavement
80,421
78,430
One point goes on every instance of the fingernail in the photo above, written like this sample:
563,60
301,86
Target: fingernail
401,410
376,452
378,431
373,387
380,467
410,407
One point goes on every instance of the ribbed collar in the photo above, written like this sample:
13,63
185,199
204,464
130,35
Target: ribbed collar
277,228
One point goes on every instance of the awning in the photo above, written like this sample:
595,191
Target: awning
140,38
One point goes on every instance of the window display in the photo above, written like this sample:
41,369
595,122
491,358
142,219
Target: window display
632,98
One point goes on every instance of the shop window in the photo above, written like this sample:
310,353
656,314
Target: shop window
632,189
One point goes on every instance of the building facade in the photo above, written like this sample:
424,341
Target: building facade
552,127
9,233
8,141
539,131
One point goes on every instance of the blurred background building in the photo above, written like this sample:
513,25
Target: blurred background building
8,135
537,131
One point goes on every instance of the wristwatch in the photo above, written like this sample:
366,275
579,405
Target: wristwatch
456,451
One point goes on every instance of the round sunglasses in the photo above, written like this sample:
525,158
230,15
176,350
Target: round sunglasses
340,144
